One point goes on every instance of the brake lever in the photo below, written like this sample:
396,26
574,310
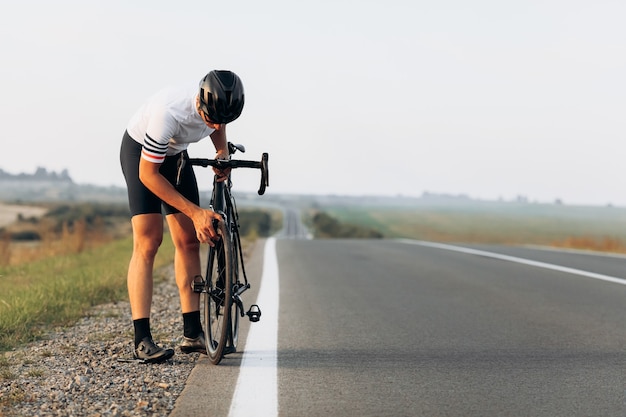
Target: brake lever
265,175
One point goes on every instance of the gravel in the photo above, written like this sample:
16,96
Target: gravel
77,371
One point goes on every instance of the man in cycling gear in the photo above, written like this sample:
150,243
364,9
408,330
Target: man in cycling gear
160,130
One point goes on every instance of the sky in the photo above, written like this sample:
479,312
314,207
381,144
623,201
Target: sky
492,99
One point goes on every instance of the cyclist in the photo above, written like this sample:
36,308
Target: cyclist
156,135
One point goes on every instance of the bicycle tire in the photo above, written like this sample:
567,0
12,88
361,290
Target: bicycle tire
235,313
218,296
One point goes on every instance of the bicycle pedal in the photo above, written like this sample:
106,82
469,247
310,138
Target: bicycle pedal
198,285
254,313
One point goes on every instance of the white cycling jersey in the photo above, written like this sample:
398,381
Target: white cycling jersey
167,123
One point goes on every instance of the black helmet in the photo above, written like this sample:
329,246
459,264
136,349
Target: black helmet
221,96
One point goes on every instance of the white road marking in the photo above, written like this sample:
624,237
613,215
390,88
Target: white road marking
517,260
256,393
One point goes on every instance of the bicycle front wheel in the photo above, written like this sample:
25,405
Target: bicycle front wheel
218,298
236,309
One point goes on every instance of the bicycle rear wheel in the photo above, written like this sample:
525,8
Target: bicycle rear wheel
218,296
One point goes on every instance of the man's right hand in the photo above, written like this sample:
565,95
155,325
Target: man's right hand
203,222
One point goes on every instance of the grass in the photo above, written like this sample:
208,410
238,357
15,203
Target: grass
593,228
75,265
57,291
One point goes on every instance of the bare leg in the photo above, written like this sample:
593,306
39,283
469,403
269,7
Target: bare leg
186,260
147,237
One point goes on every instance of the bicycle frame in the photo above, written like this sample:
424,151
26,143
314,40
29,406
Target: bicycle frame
221,284
223,202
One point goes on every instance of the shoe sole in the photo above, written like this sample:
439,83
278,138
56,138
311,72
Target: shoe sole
159,359
188,350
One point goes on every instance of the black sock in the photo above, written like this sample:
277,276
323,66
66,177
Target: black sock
142,330
192,327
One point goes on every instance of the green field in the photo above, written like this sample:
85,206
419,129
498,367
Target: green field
601,228
58,290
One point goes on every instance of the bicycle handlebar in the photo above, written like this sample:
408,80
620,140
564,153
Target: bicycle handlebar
237,163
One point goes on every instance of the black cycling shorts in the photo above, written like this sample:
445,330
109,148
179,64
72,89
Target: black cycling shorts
140,199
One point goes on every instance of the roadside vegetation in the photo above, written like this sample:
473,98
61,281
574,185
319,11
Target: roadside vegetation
327,226
57,290
585,228
63,229
54,268
254,223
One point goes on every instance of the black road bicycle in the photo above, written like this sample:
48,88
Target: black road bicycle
225,278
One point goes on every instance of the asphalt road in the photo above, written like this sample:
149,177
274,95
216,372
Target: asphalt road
389,328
